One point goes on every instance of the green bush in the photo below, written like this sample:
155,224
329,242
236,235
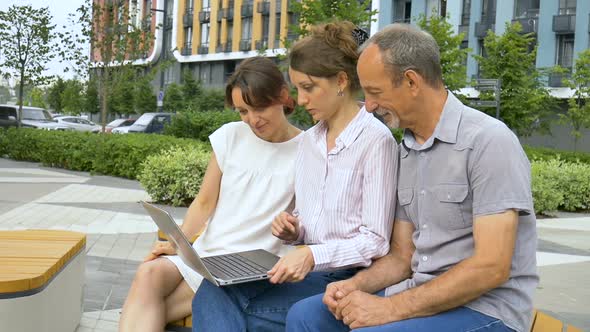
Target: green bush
117,155
199,125
560,185
535,153
175,175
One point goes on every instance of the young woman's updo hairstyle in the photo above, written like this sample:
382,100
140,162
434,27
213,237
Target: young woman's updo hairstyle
262,85
329,49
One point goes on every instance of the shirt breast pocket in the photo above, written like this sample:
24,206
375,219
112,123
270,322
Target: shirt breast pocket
405,198
453,205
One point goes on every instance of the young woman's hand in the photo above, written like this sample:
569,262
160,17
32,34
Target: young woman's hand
286,227
161,248
292,267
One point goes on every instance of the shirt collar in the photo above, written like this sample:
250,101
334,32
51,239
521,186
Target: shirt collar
446,129
350,133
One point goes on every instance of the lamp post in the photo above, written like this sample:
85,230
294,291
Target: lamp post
163,55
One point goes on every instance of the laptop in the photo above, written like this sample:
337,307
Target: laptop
220,270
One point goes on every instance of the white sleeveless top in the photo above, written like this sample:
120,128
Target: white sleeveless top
257,184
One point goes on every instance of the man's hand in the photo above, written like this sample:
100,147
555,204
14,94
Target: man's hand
292,267
161,248
285,227
360,309
335,292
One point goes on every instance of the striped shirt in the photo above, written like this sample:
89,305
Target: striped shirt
345,198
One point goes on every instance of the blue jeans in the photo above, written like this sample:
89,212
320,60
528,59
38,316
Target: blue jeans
255,306
312,315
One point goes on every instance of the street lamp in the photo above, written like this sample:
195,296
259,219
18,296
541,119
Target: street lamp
164,53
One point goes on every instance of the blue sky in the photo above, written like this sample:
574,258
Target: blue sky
59,10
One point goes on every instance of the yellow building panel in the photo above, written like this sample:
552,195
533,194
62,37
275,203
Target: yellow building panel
237,32
179,25
214,26
196,40
256,25
284,21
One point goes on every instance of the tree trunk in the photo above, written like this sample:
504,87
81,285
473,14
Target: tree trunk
21,88
103,106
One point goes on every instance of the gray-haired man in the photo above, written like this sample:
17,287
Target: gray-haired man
463,247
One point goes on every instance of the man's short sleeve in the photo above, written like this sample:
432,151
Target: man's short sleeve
500,173
219,142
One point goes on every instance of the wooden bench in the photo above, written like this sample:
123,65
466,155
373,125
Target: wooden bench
41,280
545,323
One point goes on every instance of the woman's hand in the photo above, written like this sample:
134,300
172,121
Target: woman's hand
161,248
286,227
292,267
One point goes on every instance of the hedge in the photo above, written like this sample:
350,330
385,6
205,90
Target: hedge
199,125
116,155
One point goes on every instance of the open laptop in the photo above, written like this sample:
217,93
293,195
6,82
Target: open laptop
220,270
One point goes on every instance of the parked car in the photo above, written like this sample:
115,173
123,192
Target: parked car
121,130
119,123
77,123
33,117
151,123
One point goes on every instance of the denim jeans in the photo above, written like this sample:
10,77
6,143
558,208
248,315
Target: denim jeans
312,315
255,306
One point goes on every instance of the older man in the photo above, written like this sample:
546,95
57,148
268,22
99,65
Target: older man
463,248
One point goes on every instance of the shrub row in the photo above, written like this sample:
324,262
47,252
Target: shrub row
199,125
546,154
116,155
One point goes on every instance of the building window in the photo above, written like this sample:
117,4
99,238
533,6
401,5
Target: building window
402,11
188,35
265,27
230,32
205,34
567,7
277,29
246,28
205,5
437,6
189,6
526,8
466,12
488,11
565,50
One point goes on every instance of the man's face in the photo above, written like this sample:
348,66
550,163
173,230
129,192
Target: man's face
381,95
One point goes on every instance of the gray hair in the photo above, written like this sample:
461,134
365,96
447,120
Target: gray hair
404,47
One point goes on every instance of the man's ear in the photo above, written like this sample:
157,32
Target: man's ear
413,80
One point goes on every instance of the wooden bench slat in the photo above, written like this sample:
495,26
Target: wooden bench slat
546,323
188,321
573,329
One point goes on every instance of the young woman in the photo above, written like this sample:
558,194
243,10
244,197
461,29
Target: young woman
345,178
249,180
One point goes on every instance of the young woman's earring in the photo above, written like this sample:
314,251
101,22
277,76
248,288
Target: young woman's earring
340,93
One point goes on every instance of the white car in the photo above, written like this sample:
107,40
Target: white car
121,130
77,123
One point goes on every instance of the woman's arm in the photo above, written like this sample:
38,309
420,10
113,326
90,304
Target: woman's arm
206,201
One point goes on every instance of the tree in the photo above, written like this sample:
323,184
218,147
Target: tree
578,113
452,56
54,94
91,102
145,98
4,94
72,97
524,102
116,42
26,36
174,98
37,99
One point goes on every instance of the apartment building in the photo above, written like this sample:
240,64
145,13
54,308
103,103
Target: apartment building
561,27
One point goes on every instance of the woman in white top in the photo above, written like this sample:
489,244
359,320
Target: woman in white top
249,180
345,178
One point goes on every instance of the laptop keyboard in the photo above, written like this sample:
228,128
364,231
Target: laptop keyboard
235,266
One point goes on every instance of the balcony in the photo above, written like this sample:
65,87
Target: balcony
529,24
187,20
228,45
203,49
186,49
564,23
219,48
556,79
228,13
205,16
245,45
464,29
263,8
481,29
247,10
261,44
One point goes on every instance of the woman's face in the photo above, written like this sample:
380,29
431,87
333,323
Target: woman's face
267,123
317,94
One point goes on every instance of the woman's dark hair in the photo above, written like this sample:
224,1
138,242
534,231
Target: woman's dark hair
262,84
329,49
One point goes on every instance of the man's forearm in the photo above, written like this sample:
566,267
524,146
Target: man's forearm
460,285
385,271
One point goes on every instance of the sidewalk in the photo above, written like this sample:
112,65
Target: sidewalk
120,234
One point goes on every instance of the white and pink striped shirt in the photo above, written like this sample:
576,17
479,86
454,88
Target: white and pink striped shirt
345,198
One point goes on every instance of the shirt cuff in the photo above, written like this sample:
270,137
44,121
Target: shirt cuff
321,257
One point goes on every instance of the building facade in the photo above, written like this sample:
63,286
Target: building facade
561,27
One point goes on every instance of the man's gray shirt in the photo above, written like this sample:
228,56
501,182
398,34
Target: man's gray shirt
471,166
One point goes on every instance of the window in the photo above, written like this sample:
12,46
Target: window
567,7
189,6
277,30
246,28
466,12
565,50
488,11
206,5
230,31
188,37
205,34
526,8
